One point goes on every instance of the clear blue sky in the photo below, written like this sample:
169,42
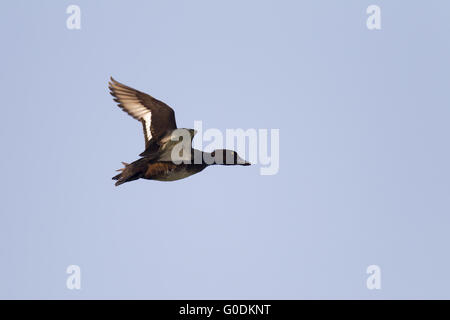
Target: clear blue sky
364,158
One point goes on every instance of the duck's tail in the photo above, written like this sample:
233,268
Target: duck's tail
130,172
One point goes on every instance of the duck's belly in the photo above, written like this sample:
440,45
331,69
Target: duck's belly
171,172
176,174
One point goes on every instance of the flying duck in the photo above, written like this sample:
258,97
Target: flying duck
158,122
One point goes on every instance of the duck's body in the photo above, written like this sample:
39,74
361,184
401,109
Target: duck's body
145,168
157,161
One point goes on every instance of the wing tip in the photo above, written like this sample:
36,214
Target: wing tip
113,83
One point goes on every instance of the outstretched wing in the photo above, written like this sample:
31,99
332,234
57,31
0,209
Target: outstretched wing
157,117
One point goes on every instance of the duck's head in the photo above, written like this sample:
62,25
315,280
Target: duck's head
228,158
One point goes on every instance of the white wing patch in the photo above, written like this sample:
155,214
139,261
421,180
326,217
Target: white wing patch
147,121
